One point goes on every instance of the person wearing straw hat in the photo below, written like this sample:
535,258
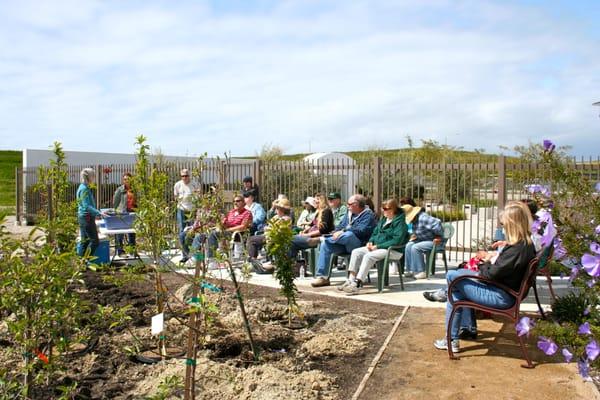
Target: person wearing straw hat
426,232
307,215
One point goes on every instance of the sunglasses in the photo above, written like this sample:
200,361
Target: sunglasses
184,176
386,208
351,204
238,200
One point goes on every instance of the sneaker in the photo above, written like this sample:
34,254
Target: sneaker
420,275
467,333
183,260
320,282
442,344
408,274
120,252
341,267
352,289
343,285
436,295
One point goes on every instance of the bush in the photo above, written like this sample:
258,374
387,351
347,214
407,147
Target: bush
449,215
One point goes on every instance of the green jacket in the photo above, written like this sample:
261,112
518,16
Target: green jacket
393,234
120,199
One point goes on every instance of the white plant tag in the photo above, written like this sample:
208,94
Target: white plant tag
158,323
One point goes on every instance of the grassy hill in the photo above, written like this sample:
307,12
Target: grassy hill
9,160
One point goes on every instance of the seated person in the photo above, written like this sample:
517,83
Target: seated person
339,210
354,231
238,220
322,224
390,231
259,216
427,232
271,212
509,269
256,242
307,215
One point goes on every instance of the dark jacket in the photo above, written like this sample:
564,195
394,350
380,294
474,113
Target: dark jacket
361,225
326,221
510,266
393,234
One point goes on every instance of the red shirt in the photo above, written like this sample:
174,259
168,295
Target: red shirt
235,218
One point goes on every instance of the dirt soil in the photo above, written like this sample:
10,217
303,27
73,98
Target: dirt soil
489,368
324,360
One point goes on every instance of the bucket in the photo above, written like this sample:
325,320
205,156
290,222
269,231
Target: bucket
102,253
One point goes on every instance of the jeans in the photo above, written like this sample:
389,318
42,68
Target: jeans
414,255
254,244
299,243
182,222
344,244
119,241
362,260
213,241
476,291
88,233
199,238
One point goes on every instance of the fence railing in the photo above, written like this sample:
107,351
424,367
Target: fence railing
467,194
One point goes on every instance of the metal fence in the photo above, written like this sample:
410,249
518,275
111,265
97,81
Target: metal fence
468,195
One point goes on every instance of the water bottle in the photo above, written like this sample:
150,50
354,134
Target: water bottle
301,272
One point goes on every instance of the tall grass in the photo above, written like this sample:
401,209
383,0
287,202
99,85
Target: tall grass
9,160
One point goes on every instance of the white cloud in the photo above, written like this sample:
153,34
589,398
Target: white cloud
344,77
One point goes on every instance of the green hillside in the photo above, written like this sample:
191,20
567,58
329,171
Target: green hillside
9,160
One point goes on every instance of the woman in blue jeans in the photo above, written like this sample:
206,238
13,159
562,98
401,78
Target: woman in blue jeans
87,213
509,269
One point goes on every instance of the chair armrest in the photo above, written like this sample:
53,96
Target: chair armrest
481,279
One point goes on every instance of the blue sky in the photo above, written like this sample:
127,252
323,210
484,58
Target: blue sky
303,75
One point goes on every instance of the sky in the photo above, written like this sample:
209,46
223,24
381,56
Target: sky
306,76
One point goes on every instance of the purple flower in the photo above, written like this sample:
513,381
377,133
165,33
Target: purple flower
591,264
587,311
597,230
592,350
541,189
584,369
591,283
567,355
524,326
547,345
549,146
574,273
559,250
595,247
584,329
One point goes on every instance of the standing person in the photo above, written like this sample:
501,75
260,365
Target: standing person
426,232
339,210
390,231
183,191
509,269
124,202
247,184
354,231
87,213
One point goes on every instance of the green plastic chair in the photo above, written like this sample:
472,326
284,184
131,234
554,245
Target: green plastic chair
448,229
394,253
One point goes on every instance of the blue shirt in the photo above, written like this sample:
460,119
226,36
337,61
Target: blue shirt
259,217
85,201
426,227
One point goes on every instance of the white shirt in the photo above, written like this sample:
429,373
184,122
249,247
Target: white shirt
183,195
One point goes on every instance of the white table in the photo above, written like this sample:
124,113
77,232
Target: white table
113,232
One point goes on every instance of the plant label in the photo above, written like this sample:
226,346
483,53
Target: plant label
158,323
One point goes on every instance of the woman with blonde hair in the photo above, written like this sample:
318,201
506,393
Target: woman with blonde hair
509,269
321,224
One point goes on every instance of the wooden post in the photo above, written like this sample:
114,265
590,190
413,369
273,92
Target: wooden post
99,197
501,182
257,178
18,194
377,184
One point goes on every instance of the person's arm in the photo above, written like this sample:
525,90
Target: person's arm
117,198
343,223
399,234
326,222
244,226
88,204
504,265
363,225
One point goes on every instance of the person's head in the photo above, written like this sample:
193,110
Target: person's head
283,207
126,178
356,203
185,175
87,176
532,205
280,196
249,196
410,212
407,200
238,202
516,221
390,208
247,182
334,199
321,201
310,203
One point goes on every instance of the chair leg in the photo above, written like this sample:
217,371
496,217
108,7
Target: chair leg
549,279
449,335
380,268
445,261
525,354
537,299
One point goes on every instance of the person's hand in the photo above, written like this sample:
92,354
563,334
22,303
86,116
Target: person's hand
499,243
103,214
413,237
481,255
437,241
336,235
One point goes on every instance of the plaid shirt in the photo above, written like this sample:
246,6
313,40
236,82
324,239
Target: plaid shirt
426,227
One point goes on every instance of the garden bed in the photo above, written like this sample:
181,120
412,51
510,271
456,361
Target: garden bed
324,360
